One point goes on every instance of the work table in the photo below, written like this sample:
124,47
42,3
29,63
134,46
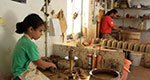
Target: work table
111,59
138,36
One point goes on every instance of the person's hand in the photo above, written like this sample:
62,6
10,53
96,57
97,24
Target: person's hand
52,65
121,30
43,64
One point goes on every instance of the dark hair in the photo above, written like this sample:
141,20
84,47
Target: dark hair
111,11
33,20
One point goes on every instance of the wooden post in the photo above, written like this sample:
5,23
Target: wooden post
46,27
105,6
101,14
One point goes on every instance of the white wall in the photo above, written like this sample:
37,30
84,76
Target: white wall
14,12
91,31
132,12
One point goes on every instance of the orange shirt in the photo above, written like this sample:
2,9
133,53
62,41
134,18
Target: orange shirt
107,25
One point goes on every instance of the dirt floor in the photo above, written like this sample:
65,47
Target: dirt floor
139,73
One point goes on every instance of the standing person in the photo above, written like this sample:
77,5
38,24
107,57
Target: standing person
108,24
26,51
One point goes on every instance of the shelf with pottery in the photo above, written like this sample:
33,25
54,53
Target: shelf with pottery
145,17
127,15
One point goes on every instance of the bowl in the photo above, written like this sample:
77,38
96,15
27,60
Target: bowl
105,74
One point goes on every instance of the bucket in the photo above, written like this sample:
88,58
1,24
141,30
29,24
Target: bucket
147,61
104,74
127,64
136,58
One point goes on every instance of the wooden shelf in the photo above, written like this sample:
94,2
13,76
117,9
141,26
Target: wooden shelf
135,8
132,18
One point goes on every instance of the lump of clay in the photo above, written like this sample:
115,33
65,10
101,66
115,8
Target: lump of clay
64,64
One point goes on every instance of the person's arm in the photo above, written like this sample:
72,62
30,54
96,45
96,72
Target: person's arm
112,25
42,64
116,28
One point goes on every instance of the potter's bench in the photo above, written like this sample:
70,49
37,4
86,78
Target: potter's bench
111,59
